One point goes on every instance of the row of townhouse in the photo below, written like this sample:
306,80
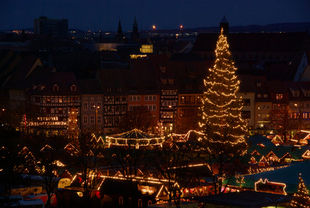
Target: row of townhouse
266,104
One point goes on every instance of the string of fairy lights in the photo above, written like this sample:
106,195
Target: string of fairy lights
301,198
221,107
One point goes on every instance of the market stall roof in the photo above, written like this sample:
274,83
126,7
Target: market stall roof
287,175
132,134
245,199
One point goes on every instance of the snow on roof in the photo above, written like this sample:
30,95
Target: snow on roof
288,175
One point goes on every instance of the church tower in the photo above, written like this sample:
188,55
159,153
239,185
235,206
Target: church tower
119,34
135,33
225,25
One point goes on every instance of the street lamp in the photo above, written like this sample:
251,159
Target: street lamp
97,107
172,124
299,115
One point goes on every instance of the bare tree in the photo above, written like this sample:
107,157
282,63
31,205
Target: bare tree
48,171
280,120
187,120
140,118
172,163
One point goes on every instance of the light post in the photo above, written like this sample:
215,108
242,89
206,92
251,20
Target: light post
97,107
299,115
172,125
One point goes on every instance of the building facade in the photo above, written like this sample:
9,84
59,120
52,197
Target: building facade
51,27
54,106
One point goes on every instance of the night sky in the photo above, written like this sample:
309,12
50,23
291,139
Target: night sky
166,14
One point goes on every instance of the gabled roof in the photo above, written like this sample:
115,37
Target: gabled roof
288,175
90,86
42,83
17,68
134,134
258,139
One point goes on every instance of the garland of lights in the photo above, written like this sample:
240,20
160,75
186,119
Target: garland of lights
221,119
301,198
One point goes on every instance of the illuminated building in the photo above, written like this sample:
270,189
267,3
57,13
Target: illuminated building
187,111
91,106
149,100
54,105
168,97
114,109
146,48
168,108
138,56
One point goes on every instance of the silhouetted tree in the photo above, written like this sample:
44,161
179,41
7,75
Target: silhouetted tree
140,118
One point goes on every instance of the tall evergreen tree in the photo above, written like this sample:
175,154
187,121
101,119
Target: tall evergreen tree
301,198
221,106
221,119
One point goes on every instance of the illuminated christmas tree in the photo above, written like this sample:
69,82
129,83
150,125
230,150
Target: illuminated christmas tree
221,119
301,198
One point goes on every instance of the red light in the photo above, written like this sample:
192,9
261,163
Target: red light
97,193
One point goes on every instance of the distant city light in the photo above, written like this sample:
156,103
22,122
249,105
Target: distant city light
181,27
154,27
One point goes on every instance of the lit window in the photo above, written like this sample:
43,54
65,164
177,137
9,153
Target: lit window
304,115
146,49
279,96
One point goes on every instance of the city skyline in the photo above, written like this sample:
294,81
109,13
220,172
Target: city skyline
105,14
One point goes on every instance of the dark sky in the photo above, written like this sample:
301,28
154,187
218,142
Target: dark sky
104,14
